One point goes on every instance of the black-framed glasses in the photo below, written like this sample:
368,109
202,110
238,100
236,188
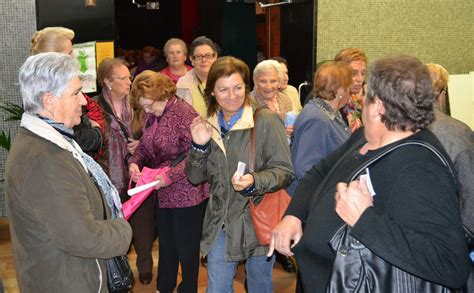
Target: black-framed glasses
201,57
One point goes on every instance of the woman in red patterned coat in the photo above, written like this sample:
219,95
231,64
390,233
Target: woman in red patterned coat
166,137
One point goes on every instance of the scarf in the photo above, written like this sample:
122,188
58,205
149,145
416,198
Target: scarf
117,145
335,116
63,137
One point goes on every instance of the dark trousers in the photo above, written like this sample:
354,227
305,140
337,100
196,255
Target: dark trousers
142,223
180,234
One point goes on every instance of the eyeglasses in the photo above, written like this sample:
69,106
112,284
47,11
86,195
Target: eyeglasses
146,106
123,78
207,56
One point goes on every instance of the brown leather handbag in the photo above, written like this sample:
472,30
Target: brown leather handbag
269,211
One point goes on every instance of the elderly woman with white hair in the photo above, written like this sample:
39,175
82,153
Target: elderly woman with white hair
267,77
65,214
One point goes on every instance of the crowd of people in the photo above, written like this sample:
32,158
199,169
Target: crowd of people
377,158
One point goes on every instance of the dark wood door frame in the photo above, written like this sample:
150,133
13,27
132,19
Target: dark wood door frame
273,30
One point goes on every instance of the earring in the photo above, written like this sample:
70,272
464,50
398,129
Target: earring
340,97
109,88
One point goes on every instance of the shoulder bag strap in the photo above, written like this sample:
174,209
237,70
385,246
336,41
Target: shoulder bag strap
374,159
109,111
389,150
468,234
252,141
315,200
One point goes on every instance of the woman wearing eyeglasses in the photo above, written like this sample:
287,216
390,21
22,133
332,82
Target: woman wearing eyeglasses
190,87
167,137
114,77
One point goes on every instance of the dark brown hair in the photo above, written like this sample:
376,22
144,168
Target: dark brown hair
225,67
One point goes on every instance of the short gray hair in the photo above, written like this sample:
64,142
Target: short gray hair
267,65
42,73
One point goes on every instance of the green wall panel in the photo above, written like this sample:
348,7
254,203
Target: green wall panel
433,30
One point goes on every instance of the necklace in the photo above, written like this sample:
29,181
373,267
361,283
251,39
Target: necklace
274,105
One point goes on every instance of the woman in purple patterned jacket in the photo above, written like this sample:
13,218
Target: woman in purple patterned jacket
166,137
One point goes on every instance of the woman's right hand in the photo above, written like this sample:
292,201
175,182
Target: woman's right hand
134,171
285,236
201,131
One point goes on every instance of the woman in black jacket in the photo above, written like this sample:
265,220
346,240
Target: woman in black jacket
406,211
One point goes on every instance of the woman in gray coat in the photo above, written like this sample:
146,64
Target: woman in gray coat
59,201
219,143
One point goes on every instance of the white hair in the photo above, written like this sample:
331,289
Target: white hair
45,73
267,65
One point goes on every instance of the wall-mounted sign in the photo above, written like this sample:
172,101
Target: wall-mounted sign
85,55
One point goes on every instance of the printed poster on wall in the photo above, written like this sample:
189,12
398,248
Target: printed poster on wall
85,55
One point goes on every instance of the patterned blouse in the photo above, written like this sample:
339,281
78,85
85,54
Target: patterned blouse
352,112
164,139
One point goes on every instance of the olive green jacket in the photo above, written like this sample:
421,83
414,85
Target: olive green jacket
228,208
56,213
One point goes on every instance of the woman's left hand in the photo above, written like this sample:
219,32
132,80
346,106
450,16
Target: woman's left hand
352,201
241,182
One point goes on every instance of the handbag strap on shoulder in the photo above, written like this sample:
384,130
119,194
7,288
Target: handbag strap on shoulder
252,141
389,150
105,105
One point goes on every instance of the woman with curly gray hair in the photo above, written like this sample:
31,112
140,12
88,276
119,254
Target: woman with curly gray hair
404,208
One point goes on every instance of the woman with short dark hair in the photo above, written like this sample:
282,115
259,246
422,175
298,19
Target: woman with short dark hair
190,87
220,142
404,209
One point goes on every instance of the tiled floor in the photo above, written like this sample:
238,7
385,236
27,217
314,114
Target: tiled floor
283,282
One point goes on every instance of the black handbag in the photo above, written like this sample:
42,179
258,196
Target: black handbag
119,274
357,269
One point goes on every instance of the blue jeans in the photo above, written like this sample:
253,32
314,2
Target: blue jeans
221,273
